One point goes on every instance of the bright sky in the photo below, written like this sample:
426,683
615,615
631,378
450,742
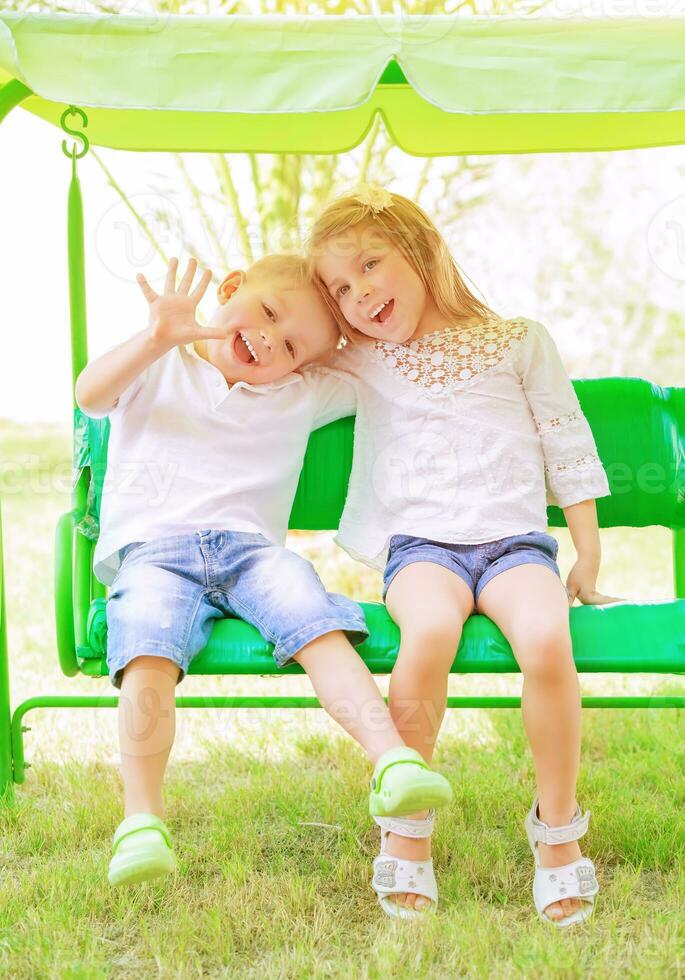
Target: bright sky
35,363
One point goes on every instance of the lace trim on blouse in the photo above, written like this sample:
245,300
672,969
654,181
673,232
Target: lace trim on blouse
579,463
550,425
453,357
583,461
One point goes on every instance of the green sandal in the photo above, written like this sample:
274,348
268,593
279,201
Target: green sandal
141,850
399,789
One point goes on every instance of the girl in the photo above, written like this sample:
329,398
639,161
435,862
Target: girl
467,427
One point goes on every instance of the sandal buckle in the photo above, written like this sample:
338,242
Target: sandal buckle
385,874
587,882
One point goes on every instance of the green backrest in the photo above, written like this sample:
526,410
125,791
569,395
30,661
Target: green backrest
639,428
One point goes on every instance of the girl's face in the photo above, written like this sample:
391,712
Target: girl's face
376,288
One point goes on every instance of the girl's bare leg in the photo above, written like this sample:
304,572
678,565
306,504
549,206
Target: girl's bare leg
530,606
430,604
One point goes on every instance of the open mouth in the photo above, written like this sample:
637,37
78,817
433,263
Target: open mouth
383,312
244,350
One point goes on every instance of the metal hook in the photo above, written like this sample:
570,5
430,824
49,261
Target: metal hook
73,110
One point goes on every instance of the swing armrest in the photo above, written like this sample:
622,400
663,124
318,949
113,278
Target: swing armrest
64,592
74,589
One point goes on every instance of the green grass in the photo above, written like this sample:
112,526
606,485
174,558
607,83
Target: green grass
268,810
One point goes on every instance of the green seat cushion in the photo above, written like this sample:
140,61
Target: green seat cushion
620,637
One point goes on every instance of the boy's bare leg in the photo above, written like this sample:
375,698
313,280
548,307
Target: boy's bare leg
342,682
147,725
346,689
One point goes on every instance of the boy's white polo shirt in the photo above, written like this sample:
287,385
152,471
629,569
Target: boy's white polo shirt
187,452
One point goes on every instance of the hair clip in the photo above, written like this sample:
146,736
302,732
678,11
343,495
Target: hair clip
373,196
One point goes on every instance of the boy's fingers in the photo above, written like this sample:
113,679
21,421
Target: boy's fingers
201,287
148,292
188,276
170,281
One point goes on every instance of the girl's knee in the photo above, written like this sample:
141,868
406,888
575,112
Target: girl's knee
428,649
545,652
437,631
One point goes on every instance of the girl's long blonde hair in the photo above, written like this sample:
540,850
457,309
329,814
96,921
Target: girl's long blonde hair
408,228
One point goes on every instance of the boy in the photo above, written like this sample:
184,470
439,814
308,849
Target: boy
209,426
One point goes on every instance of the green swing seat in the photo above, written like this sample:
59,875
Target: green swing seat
643,451
301,84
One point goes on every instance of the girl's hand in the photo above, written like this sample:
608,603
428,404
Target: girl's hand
581,583
172,315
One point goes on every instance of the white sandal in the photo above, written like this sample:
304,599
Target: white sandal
574,880
396,876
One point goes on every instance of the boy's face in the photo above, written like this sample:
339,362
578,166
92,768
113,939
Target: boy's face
273,328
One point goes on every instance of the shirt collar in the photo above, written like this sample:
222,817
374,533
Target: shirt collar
288,379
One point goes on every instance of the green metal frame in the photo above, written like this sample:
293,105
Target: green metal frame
6,756
76,586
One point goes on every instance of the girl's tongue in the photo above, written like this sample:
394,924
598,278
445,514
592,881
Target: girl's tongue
241,349
386,311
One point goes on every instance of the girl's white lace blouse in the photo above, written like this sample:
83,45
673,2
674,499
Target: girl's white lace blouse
463,436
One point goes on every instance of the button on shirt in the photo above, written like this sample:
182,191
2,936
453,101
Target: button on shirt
187,452
463,436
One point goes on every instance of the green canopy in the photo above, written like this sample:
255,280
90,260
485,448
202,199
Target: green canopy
313,84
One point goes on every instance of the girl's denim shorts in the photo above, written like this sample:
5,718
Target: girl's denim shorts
477,564
168,592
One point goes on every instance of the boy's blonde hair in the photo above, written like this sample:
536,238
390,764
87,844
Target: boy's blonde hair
286,267
409,229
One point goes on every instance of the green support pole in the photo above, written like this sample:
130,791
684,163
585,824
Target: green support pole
79,359
679,563
77,278
6,767
11,94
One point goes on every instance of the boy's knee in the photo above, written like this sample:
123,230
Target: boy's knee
162,666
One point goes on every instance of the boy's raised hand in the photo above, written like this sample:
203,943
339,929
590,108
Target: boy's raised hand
172,315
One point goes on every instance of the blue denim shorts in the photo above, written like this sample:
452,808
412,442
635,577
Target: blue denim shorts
168,591
475,563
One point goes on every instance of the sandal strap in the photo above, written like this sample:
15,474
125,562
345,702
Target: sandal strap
397,876
558,835
140,821
406,827
402,754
